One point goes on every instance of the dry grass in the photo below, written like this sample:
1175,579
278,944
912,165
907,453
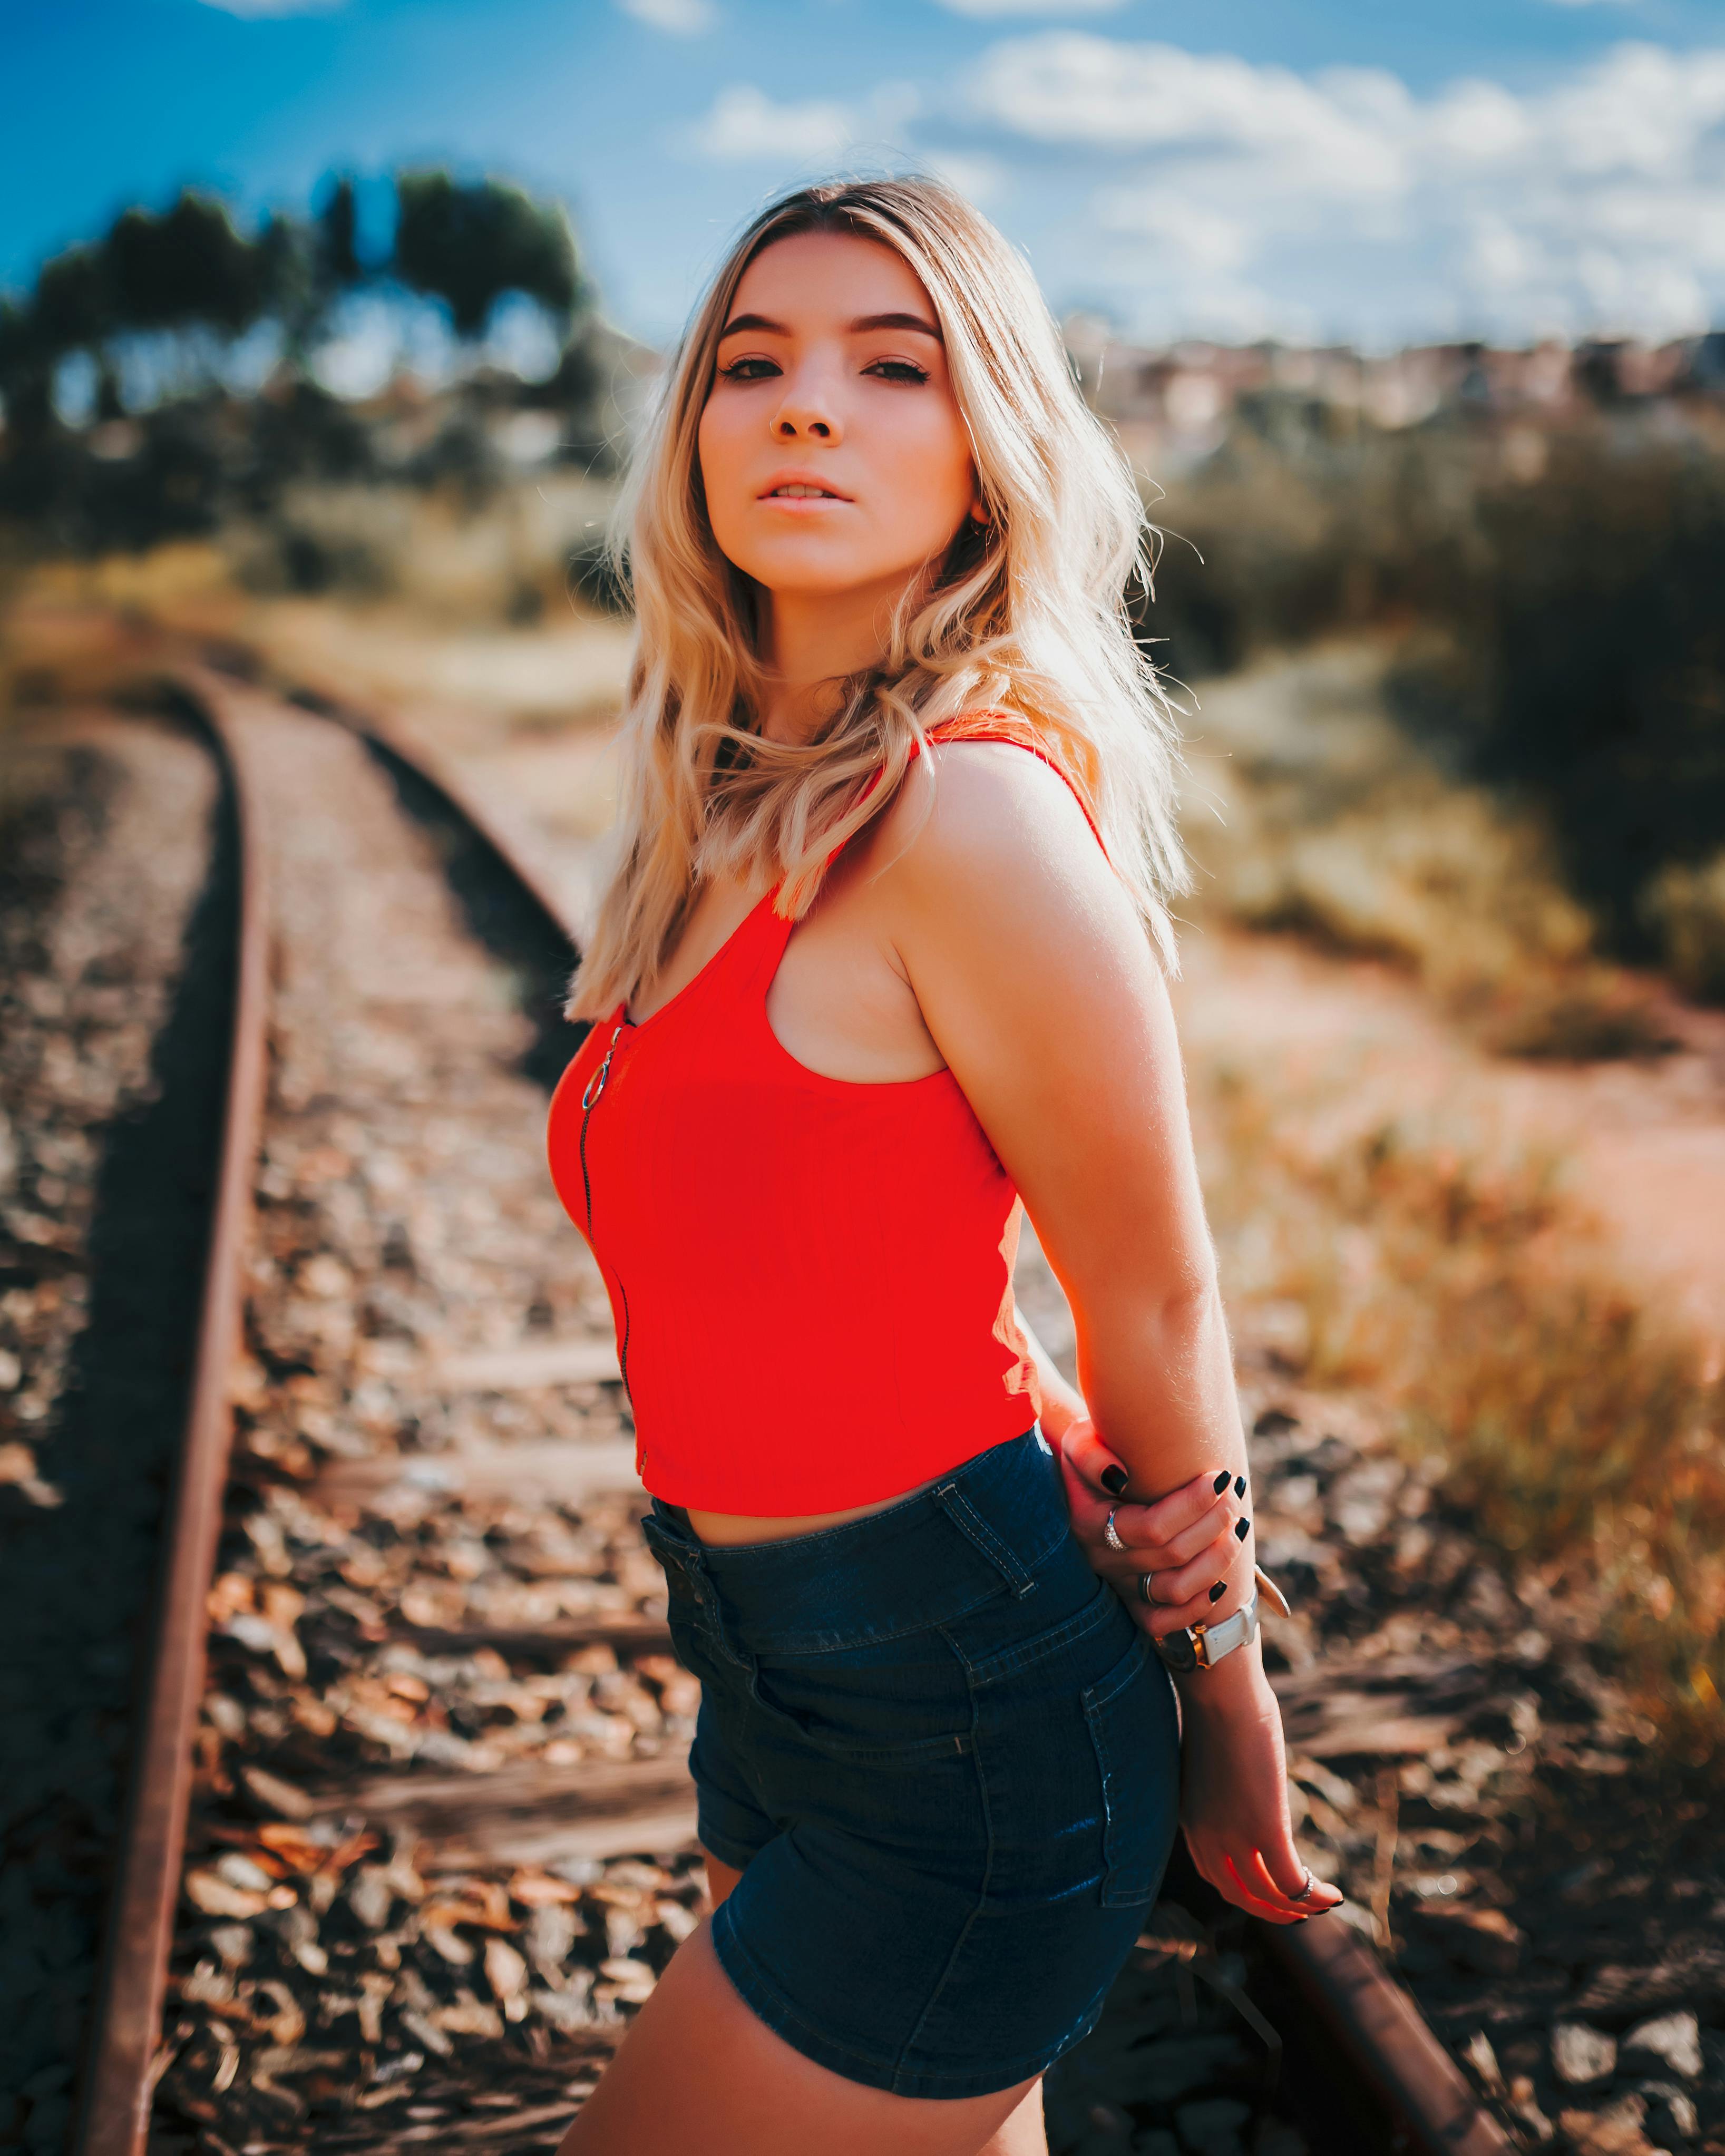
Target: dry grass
468,615
1310,812
1686,908
1464,1287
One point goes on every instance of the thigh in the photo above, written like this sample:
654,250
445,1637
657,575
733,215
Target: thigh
721,1878
698,2070
1025,2134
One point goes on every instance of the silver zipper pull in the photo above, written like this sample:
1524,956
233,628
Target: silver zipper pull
596,1085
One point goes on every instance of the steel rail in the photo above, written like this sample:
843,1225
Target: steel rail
121,2067
125,2056
1374,2022
436,771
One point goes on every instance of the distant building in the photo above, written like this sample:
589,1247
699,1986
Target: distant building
1171,405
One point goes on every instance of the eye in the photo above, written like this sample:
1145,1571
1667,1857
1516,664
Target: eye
749,370
897,370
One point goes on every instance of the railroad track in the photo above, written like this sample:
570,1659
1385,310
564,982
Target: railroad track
410,1828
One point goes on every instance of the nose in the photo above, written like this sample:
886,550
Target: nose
806,411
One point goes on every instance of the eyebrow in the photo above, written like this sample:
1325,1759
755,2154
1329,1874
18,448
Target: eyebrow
864,323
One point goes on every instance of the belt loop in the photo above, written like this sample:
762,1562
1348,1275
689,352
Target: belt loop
970,1522
712,1614
689,1556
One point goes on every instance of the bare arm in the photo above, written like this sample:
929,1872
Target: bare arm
1185,1542
1035,978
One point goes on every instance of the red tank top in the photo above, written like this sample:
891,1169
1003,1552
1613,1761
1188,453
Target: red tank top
811,1278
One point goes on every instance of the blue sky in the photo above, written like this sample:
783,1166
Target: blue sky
1317,168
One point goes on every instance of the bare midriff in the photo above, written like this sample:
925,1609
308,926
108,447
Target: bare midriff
726,1530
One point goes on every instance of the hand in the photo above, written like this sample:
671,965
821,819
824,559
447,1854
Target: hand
1233,1794
1186,1541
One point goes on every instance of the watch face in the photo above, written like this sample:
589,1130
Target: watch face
1178,1650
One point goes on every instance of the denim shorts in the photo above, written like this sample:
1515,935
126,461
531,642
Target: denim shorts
946,1763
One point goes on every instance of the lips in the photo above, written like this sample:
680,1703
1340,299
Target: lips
800,486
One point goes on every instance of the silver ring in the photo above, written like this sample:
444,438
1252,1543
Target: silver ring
1304,1893
1111,1533
1144,1594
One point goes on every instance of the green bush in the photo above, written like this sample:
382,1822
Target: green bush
1566,640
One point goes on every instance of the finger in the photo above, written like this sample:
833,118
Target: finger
1136,1530
1321,1896
1184,1507
1089,1459
1160,1621
1160,1618
1186,1583
1278,1911
1282,1866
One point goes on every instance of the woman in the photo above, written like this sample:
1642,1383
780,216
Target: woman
866,971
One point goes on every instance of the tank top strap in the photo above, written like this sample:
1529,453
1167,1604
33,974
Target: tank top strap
1009,727
756,945
990,726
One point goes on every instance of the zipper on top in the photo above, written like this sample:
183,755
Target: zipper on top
590,1095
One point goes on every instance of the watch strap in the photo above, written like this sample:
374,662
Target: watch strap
1202,1647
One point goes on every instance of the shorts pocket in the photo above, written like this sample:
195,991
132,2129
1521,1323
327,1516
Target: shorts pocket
991,1653
900,1702
842,1746
1130,1720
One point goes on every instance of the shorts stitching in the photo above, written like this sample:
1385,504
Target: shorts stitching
981,1892
717,1844
841,1642
1023,1654
752,1984
970,1522
760,1983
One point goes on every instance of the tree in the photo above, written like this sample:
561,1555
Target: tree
337,222
186,268
468,243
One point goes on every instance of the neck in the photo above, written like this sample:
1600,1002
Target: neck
813,641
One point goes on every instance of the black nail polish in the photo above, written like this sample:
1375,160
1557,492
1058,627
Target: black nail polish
1218,1590
1220,1483
1240,1486
1242,1528
1114,1479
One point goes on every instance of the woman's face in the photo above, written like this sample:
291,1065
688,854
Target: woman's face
832,449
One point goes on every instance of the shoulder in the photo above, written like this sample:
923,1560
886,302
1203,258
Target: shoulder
971,811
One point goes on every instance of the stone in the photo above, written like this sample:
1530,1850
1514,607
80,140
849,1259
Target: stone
1670,2041
1671,2117
1616,2132
1525,2106
1582,2056
1483,1940
1477,2053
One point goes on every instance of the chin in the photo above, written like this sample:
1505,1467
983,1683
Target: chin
819,578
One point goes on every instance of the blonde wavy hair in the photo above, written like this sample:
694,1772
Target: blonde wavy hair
1025,616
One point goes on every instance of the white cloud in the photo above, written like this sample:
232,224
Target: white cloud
1071,87
254,11
681,19
979,179
1597,202
989,9
745,126
1191,227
